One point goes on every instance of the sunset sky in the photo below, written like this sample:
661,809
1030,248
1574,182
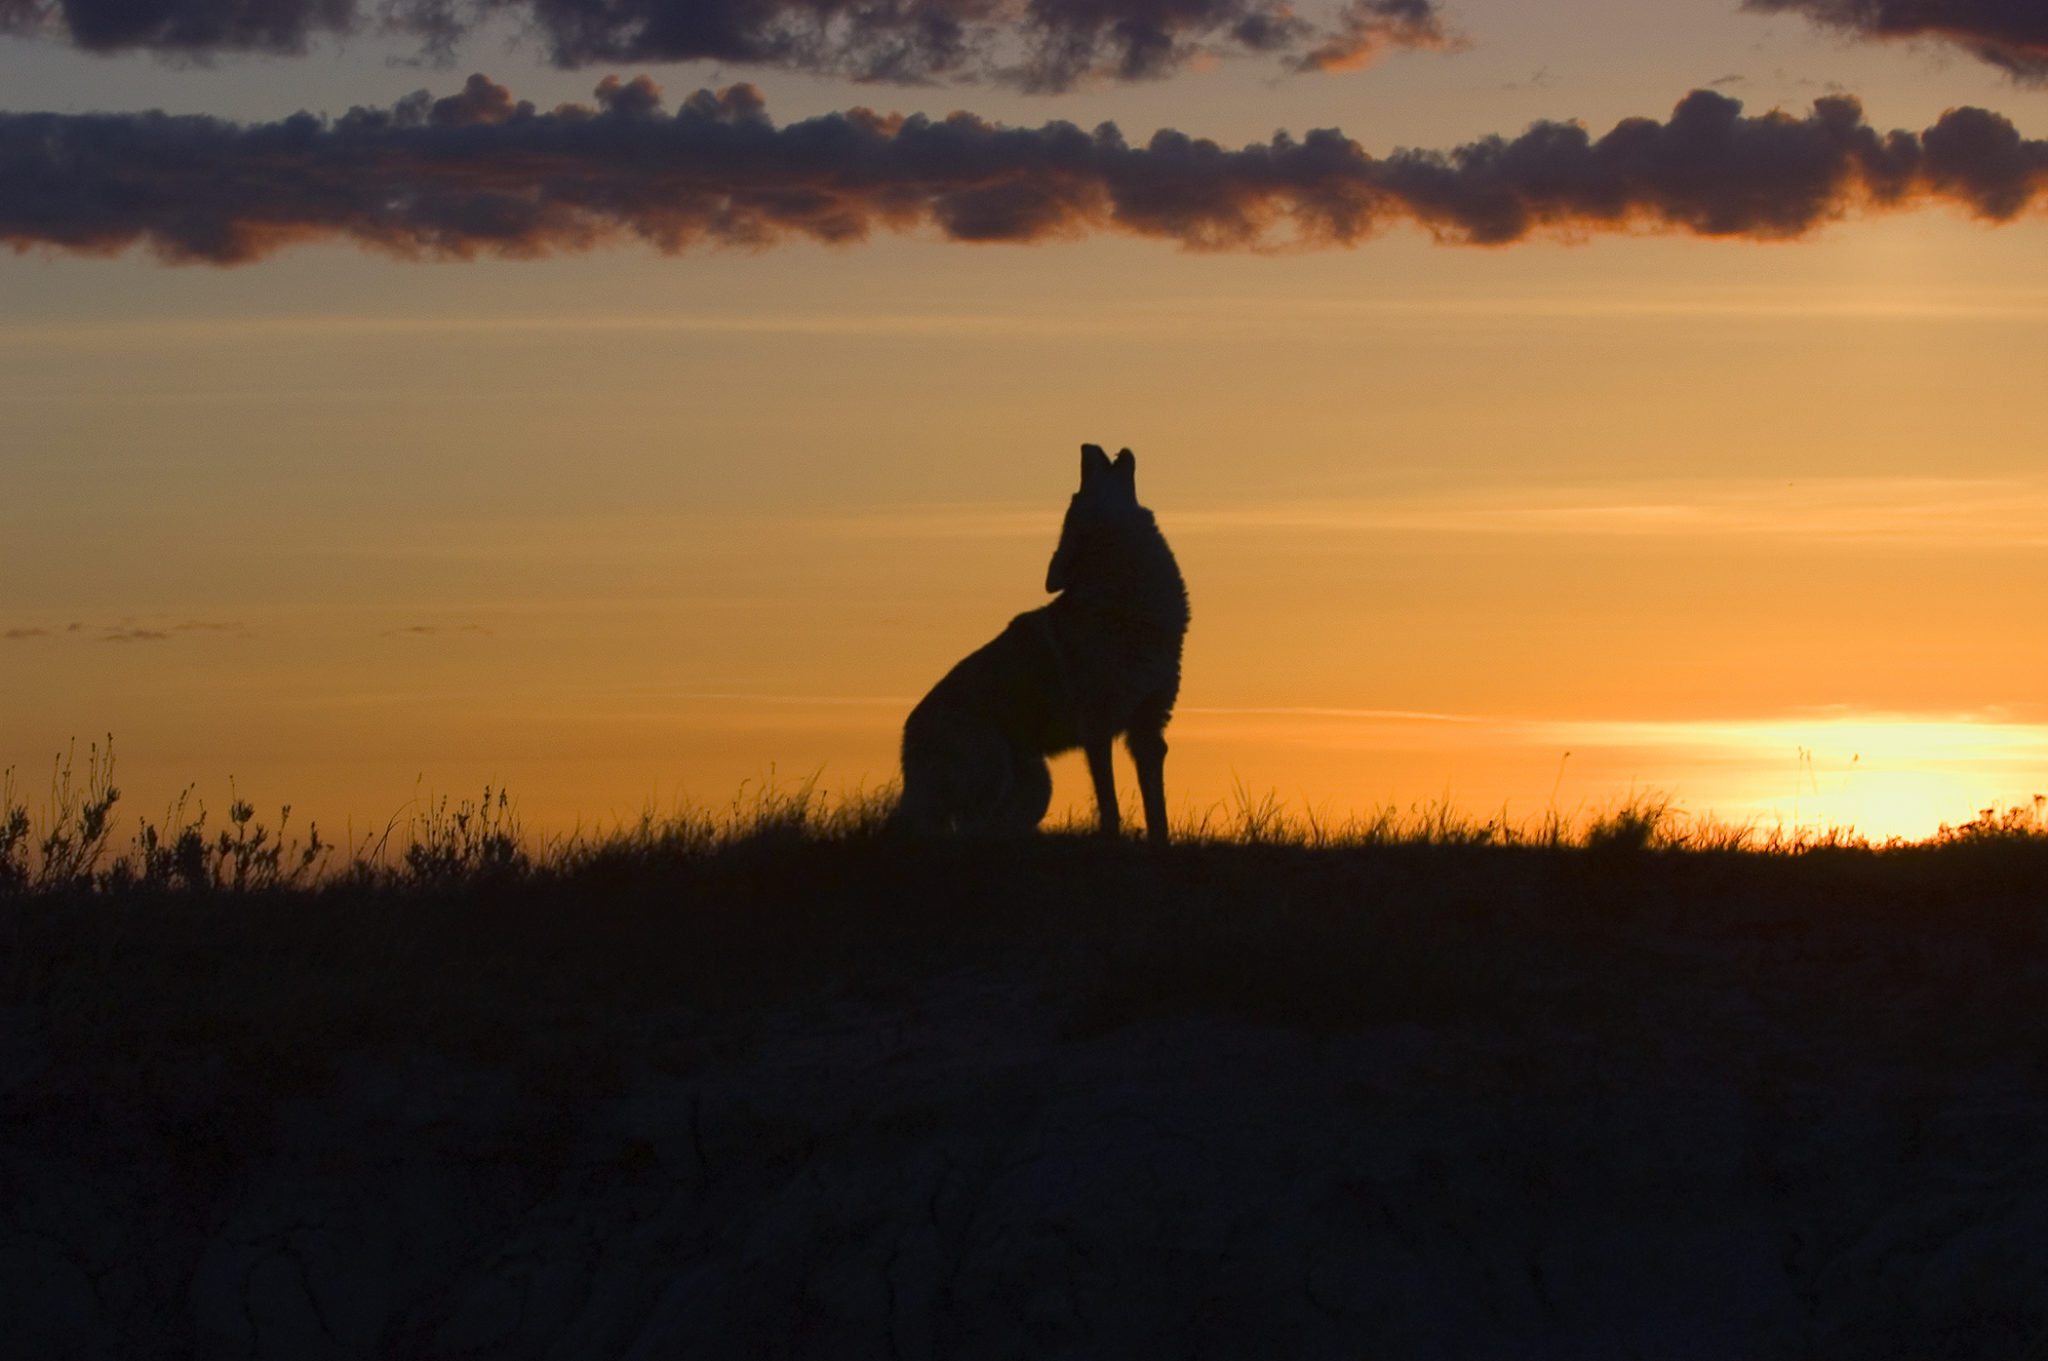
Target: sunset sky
628,451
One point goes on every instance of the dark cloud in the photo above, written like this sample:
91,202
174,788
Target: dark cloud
431,179
1039,44
15,635
2008,33
193,27
481,100
1368,29
434,630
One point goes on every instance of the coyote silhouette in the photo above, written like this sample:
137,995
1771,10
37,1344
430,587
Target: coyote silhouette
1102,660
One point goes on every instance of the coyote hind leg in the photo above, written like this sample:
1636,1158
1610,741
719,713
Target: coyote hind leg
956,776
1028,797
962,777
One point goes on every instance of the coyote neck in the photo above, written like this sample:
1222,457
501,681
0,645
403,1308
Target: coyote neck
1135,583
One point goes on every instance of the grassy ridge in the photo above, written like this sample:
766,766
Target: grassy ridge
1815,1063
254,942
459,931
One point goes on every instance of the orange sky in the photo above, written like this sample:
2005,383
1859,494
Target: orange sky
1762,526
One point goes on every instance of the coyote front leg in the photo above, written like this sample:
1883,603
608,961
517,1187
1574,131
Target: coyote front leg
1108,821
1148,753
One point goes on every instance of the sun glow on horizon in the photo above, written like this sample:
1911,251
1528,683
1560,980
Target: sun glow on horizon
1877,775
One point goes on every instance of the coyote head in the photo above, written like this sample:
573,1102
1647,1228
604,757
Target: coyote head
1108,498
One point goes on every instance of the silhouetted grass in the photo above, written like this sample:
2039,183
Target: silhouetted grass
177,993
456,927
445,845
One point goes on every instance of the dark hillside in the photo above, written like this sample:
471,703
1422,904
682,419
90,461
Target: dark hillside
835,1096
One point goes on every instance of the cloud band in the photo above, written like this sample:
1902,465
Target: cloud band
1038,44
480,173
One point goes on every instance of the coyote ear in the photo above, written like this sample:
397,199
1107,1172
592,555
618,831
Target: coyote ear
1093,463
1126,470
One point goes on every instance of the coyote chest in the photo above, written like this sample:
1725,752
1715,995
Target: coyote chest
1123,645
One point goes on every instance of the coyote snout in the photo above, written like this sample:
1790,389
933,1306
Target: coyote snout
1102,660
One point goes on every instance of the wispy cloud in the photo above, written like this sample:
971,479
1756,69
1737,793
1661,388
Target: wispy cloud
2009,513
419,181
1901,512
827,701
1966,734
1155,318
127,631
1970,737
1327,711
147,333
434,630
146,633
